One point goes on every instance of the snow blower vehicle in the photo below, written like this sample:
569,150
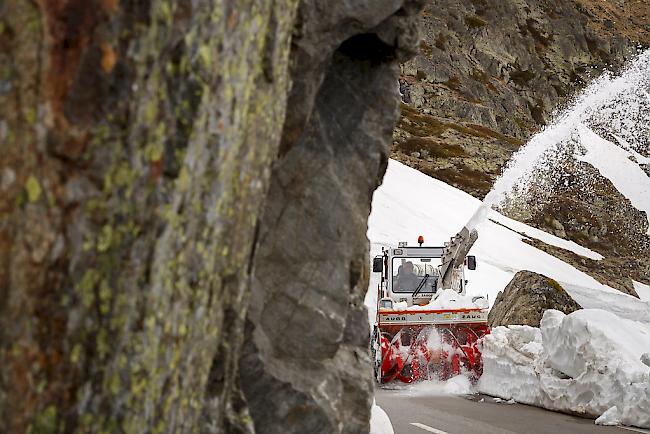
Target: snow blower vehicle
426,327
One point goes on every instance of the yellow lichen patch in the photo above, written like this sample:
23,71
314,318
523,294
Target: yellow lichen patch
204,55
105,295
44,422
75,354
102,343
555,285
30,115
33,189
183,181
105,238
114,384
86,287
123,175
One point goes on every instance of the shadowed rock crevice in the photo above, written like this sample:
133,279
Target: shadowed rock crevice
367,47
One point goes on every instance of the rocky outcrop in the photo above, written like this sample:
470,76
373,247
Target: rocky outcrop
306,366
136,140
490,73
137,147
526,298
586,208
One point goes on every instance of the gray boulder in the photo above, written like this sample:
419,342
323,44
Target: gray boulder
527,297
305,365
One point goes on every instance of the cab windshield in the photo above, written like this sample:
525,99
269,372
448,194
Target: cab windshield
408,274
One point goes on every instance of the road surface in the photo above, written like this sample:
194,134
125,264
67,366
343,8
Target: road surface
421,414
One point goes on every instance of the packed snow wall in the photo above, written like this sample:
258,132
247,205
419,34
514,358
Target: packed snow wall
590,362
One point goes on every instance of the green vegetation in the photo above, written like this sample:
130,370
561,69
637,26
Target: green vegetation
422,125
462,177
553,283
435,149
496,135
474,21
521,77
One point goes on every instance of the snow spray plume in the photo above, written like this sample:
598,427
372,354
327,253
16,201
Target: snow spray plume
619,103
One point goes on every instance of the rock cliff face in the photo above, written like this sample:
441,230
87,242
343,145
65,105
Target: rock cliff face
489,75
526,298
306,366
138,141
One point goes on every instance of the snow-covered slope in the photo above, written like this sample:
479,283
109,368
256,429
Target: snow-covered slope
409,203
620,166
379,421
642,290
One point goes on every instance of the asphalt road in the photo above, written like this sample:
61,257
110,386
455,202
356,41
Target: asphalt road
417,414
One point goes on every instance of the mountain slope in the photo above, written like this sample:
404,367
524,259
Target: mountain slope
491,75
491,72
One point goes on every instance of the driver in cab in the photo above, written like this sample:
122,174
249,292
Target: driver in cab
407,280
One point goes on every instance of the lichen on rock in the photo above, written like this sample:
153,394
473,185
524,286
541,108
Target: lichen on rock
139,141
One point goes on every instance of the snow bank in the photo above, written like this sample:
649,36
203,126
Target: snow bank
621,304
379,421
531,232
589,362
458,385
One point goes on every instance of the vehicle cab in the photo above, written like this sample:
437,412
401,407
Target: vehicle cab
412,274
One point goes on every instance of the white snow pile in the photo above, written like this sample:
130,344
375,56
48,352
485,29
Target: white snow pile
450,299
643,291
455,386
379,421
589,362
458,385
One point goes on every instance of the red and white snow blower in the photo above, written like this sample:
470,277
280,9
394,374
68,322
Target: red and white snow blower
426,327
